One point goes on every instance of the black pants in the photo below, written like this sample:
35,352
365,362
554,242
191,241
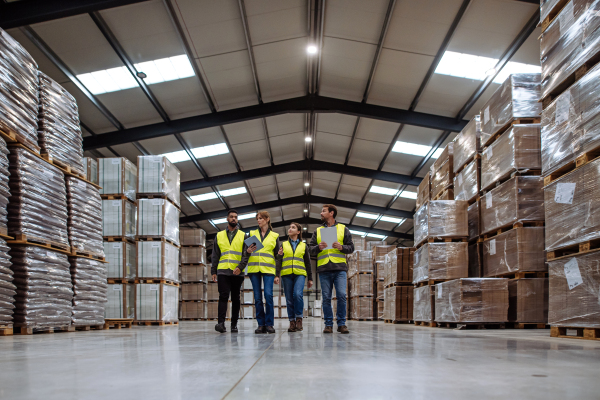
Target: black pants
229,284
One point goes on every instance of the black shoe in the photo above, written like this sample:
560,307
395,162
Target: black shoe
261,329
220,327
270,329
234,328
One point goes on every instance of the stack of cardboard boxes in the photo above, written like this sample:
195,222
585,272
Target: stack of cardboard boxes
397,280
193,274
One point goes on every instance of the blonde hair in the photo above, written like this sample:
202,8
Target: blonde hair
265,215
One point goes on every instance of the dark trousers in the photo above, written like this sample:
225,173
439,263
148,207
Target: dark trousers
229,284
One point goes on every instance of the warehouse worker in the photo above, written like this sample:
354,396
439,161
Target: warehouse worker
295,268
332,267
226,258
262,266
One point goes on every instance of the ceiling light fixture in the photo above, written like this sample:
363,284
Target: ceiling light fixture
306,184
366,215
305,210
223,193
308,139
415,149
198,152
311,49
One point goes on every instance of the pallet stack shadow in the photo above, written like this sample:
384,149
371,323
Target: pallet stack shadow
398,286
193,275
570,148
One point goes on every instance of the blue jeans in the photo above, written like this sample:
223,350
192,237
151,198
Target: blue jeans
265,315
293,287
328,280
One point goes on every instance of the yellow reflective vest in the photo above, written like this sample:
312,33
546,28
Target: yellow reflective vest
231,253
333,255
263,260
293,261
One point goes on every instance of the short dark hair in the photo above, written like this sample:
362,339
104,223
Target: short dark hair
330,208
231,211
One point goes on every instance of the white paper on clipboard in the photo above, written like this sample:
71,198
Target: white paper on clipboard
329,236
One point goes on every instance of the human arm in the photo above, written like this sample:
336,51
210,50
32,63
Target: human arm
245,256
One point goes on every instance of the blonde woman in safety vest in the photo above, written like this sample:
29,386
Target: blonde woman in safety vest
262,269
295,268
332,267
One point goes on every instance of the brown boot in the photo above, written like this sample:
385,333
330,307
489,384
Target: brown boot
343,329
328,329
292,327
298,324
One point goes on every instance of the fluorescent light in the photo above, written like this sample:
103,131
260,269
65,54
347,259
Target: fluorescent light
233,192
374,235
415,149
408,195
359,233
213,195
177,156
305,210
392,219
312,49
308,139
246,216
219,221
304,228
198,152
383,190
306,184
203,197
366,215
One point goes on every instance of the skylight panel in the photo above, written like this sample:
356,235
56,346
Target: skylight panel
376,236
383,190
408,195
393,220
233,192
366,215
359,233
204,197
411,148
177,156
246,216
210,151
219,221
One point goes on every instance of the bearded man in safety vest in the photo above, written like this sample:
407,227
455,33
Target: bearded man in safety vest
332,267
226,257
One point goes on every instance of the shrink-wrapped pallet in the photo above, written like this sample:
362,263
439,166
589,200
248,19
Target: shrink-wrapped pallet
7,288
122,260
516,98
472,300
44,288
212,291
194,291
158,218
59,131
91,169
399,303
520,199
528,300
193,255
475,260
424,303
362,261
379,286
85,217
400,265
156,302
548,9
193,273
362,285
157,175
516,250
38,202
517,149
573,294
248,312
441,219
442,171
424,190
117,176
4,187
467,182
19,92
157,259
89,288
192,310
379,253
372,244
360,244
121,301
192,237
467,144
119,219
362,308
380,309
473,214
212,310
444,260
572,206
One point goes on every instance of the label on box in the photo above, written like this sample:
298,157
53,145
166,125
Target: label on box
117,288
116,245
488,152
572,274
566,14
116,203
492,247
157,202
563,104
116,161
459,178
565,191
486,115
156,244
488,200
439,290
153,288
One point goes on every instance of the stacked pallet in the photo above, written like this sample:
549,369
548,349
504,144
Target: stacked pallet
570,147
193,274
247,300
361,285
380,253
397,280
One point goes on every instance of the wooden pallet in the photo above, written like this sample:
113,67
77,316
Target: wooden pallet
580,333
553,14
6,330
575,249
68,170
443,193
397,321
118,239
21,330
515,121
118,323
508,176
521,275
8,135
116,196
527,325
430,324
364,273
472,325
516,225
192,319
199,301
431,282
156,196
155,239
22,239
440,240
88,255
157,323
12,138
362,319
157,281
86,328
116,281
477,156
579,162
404,283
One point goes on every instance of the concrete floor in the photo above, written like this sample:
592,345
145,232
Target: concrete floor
376,361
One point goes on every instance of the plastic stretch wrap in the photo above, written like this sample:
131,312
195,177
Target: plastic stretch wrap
193,255
467,182
212,310
360,244
362,285
90,291
117,176
156,302
476,260
372,244
400,265
59,131
156,174
399,303
472,300
516,250
516,98
4,186
193,273
7,288
248,312
192,237
121,258
572,205
379,252
361,308
517,149
194,291
379,286
444,260
121,301
360,261
194,310
473,214
423,303
424,190
157,260
119,218
38,202
467,144
575,291
380,269
440,219
517,200
442,171
248,297
528,300
91,169
546,7
380,309
85,217
44,289
19,92
212,290
158,218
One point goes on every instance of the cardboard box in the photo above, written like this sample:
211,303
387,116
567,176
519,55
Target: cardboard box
360,261
379,286
362,308
476,260
443,260
192,310
212,310
194,291
467,144
121,301
482,300
193,255
157,259
122,260
91,169
117,176
157,175
516,250
158,218
398,303
360,244
119,219
442,171
474,217
424,303
362,285
194,273
528,300
156,302
192,237
440,219
467,182
213,291
399,265
424,190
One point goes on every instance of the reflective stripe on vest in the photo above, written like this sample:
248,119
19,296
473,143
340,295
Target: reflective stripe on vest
264,259
332,255
293,261
231,253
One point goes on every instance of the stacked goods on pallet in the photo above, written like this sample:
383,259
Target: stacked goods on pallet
361,282
90,291
122,261
85,218
121,301
19,93
156,302
360,243
194,274
379,262
4,187
424,190
119,220
528,300
398,305
440,262
7,287
158,176
424,305
442,175
59,131
212,297
516,250
157,260
361,308
398,298
117,177
441,219
91,169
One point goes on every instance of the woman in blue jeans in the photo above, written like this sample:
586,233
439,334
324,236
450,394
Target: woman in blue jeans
295,268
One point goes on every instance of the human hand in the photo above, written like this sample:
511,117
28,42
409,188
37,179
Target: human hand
280,251
277,280
214,278
322,245
337,246
251,248
310,283
237,271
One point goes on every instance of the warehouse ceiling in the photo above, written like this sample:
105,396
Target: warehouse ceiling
279,104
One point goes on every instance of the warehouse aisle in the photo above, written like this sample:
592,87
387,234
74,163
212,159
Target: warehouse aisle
375,361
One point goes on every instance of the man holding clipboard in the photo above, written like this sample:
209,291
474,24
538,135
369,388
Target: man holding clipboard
330,243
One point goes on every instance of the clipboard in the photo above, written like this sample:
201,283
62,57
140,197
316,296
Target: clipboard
329,236
254,240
